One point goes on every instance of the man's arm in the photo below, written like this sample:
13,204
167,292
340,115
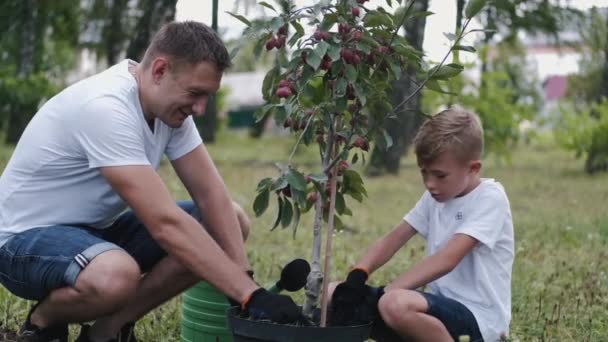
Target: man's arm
176,231
206,187
383,250
437,265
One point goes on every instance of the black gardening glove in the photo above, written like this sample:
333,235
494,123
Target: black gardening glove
354,302
277,308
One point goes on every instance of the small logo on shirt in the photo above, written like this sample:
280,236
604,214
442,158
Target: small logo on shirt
459,216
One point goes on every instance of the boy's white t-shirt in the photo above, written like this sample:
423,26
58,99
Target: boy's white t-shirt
53,175
482,280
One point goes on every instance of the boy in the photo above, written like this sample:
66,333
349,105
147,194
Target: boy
466,221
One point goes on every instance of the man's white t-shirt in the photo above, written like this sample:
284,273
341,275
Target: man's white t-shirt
53,175
482,280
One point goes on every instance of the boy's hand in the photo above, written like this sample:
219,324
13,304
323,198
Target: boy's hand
277,308
353,302
353,289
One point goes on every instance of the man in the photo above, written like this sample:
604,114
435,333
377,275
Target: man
90,153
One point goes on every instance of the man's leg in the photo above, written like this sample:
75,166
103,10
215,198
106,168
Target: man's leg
73,274
405,311
104,285
165,280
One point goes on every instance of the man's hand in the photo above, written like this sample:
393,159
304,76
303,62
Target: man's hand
277,308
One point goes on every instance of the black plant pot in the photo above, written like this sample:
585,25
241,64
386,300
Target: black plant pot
247,330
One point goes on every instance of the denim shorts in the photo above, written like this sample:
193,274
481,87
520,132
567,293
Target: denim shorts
457,319
39,260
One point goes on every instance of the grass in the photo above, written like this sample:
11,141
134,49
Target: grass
560,285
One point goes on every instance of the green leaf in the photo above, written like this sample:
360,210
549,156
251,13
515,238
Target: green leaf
314,60
450,36
299,29
267,5
435,86
267,84
396,69
333,52
279,213
318,177
321,49
296,220
375,18
276,23
355,159
464,48
260,204
279,184
240,18
296,179
287,213
328,21
446,71
340,88
298,197
473,7
351,73
340,203
388,140
264,184
234,52
261,112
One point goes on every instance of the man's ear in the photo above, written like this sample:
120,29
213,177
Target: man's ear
475,166
159,68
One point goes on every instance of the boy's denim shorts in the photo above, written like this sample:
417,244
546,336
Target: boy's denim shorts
39,260
457,319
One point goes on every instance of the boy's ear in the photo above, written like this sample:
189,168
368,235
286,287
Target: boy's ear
475,166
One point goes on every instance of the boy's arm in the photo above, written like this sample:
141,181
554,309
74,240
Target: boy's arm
382,250
437,265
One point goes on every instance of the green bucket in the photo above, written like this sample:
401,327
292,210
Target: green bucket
204,315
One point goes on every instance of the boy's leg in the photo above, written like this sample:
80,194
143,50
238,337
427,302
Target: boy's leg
166,279
421,316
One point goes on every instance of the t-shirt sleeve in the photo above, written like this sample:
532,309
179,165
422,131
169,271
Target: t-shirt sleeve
109,134
486,219
183,140
419,216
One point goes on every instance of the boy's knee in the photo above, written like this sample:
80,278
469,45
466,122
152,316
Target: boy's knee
396,306
244,221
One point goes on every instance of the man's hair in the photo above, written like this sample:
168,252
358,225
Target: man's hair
189,42
453,130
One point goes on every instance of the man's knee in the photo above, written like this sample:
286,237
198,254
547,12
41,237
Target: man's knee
111,277
244,221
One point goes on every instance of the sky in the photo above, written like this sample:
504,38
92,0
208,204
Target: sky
435,43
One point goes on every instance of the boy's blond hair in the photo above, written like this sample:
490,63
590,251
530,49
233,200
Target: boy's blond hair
453,130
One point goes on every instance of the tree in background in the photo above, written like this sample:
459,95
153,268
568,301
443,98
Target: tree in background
44,39
37,52
582,125
402,127
505,95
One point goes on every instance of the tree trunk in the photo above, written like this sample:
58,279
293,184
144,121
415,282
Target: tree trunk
114,35
155,14
402,129
208,123
22,112
597,158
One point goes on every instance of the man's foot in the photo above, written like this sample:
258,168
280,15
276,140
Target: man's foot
126,334
32,333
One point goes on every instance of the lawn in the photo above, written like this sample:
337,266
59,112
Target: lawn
560,284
